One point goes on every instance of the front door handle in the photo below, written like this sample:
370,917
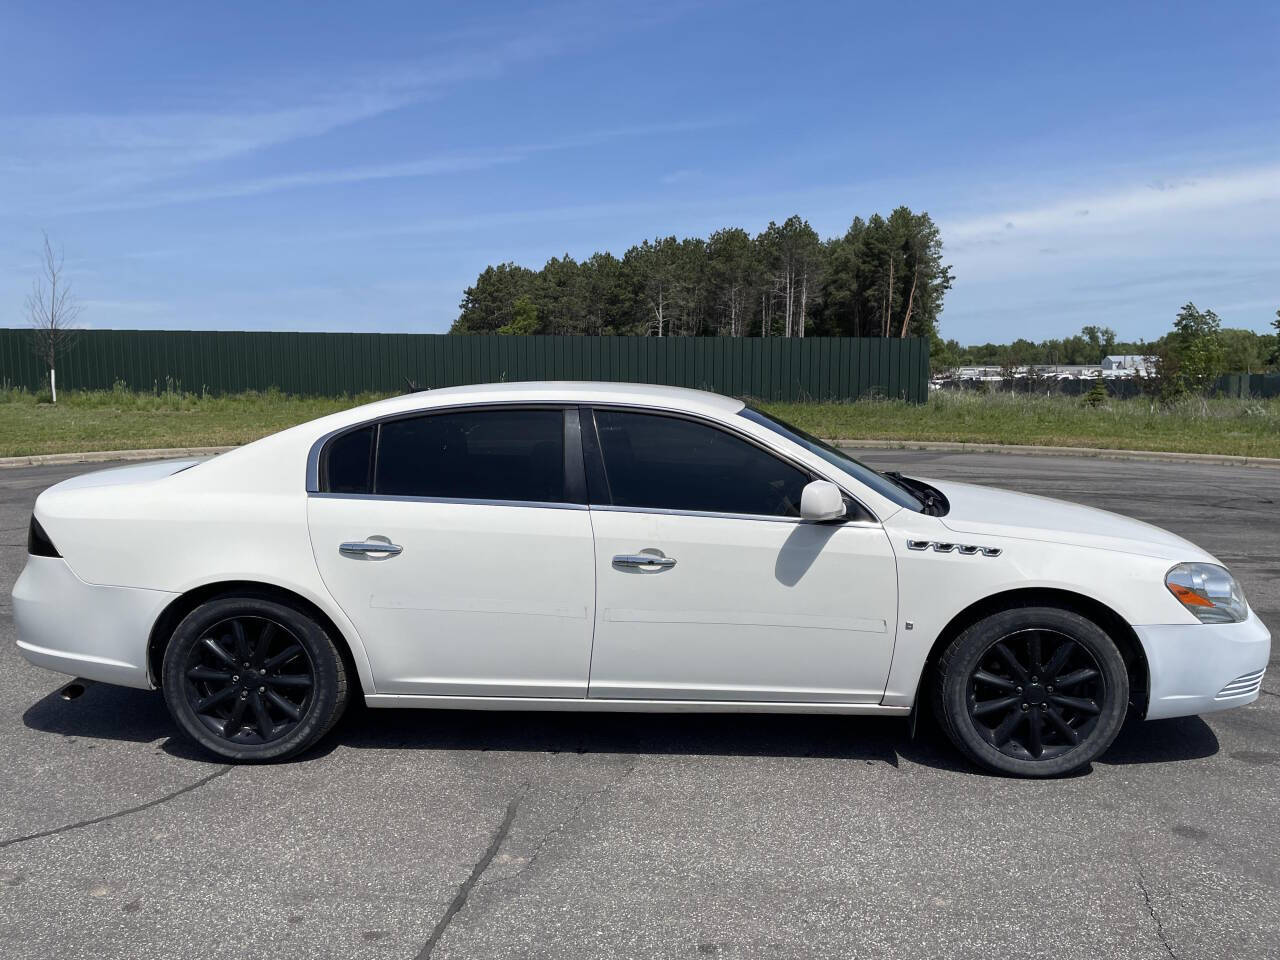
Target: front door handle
372,548
643,560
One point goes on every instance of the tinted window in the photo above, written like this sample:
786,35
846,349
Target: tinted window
674,464
347,462
837,458
474,455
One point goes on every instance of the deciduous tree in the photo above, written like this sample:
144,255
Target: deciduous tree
53,311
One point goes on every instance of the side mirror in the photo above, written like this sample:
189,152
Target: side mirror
821,501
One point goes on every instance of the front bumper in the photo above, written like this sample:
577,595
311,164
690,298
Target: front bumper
1203,667
83,629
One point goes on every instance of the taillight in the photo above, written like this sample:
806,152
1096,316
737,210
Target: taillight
38,542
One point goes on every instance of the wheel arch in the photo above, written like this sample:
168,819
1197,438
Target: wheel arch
1116,627
179,607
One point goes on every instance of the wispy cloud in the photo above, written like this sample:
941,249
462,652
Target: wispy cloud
677,176
440,165
76,162
1158,198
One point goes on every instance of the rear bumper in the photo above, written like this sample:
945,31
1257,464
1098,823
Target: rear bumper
1203,667
82,629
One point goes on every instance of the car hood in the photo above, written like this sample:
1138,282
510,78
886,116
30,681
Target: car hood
987,510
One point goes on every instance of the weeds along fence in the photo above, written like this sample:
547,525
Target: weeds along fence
332,364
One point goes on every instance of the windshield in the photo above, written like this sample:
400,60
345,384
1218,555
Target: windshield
872,478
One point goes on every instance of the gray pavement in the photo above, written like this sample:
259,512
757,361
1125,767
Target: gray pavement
410,833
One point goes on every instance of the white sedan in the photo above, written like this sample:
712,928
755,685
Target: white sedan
561,546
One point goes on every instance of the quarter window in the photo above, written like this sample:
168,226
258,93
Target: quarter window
512,455
348,460
675,464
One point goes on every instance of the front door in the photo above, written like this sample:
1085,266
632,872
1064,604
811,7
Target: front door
486,585
709,587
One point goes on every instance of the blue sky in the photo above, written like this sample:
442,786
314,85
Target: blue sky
353,166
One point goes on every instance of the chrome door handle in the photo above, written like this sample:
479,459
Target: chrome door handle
643,560
370,547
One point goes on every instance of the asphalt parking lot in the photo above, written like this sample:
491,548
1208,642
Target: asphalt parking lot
411,833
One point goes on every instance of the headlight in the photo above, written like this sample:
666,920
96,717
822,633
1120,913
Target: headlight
1208,591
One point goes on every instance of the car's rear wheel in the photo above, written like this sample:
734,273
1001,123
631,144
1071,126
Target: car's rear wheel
1033,691
253,680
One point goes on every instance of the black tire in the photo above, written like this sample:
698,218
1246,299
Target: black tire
1032,692
253,680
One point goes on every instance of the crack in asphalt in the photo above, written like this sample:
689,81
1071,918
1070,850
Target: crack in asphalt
460,898
119,813
560,827
1151,910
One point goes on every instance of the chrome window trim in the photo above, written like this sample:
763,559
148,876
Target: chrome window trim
402,498
766,518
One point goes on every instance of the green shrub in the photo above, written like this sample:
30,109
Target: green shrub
1097,395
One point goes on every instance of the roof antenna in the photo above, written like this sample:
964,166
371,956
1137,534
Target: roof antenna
411,386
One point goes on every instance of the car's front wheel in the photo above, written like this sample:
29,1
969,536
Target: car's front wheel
253,680
1032,691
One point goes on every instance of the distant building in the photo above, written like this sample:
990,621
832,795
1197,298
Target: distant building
1133,362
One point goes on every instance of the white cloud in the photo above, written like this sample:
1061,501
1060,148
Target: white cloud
1155,200
1126,257
75,161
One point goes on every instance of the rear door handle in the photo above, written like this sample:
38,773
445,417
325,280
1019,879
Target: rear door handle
643,560
374,548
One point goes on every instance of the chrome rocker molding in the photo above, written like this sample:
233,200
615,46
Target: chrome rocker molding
967,550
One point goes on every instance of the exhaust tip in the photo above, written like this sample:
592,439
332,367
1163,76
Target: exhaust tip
74,689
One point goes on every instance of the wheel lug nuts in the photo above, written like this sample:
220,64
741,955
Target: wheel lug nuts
1048,689
1024,706
262,689
1019,690
235,679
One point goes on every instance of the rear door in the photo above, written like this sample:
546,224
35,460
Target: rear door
486,583
710,587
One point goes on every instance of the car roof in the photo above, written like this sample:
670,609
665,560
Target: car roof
559,391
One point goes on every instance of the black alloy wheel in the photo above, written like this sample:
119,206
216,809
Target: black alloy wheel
1032,691
249,680
252,679
1034,694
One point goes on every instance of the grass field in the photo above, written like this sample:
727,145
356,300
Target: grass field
120,420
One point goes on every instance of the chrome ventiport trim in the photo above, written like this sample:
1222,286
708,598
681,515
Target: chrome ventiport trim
965,549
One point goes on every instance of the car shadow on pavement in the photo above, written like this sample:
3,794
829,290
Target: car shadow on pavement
871,739
1162,741
106,712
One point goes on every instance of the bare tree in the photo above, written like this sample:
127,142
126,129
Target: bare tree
906,318
52,311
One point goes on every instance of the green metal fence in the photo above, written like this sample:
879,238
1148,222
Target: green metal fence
331,364
1249,385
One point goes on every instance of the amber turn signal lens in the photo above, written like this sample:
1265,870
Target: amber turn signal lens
1189,597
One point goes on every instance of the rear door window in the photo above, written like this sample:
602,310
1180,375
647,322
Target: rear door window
515,455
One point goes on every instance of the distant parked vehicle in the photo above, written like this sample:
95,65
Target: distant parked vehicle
567,546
